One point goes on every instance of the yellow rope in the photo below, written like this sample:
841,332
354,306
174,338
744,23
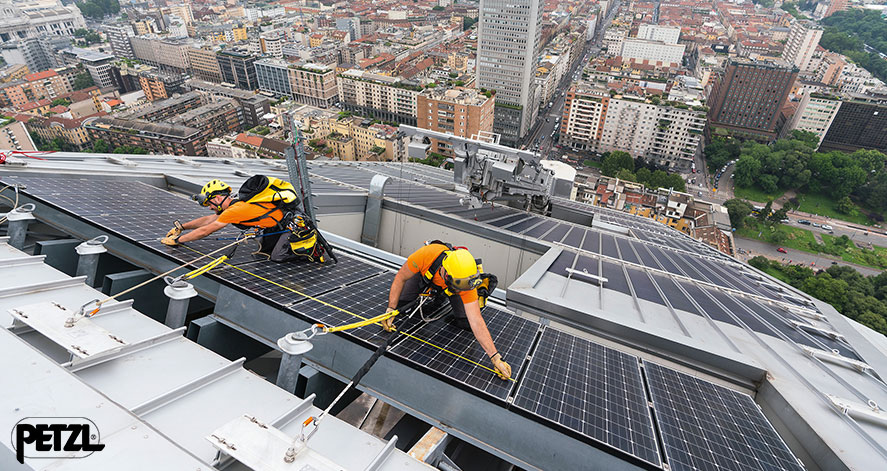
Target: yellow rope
366,321
209,266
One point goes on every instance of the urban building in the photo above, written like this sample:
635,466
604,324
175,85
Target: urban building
815,114
247,146
613,38
253,106
50,81
69,130
666,133
273,76
665,34
747,100
350,25
655,52
801,44
118,36
156,138
13,72
204,64
167,55
462,112
98,65
159,85
835,6
238,68
858,124
379,96
164,110
22,20
508,42
15,136
38,53
271,43
313,84
219,117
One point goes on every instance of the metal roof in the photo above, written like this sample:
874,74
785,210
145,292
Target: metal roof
156,399
652,291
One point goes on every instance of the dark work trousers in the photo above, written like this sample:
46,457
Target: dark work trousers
414,287
276,246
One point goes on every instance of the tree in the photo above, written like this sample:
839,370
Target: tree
845,205
764,213
100,147
747,170
467,23
84,80
738,210
616,161
779,215
626,174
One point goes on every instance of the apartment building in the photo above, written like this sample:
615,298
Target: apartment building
118,36
50,81
815,114
204,64
314,84
665,34
252,105
463,112
653,52
216,118
156,138
167,55
801,44
166,109
71,131
159,85
379,96
666,133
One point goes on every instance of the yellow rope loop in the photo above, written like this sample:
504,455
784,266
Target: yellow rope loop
209,266
355,325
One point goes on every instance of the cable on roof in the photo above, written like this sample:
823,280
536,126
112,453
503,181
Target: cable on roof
295,291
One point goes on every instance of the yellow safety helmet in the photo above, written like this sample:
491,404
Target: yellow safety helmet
212,189
461,270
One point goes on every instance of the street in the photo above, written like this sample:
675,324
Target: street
754,248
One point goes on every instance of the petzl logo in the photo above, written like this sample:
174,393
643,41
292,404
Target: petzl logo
55,437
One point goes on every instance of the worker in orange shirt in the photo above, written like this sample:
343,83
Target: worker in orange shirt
439,269
269,205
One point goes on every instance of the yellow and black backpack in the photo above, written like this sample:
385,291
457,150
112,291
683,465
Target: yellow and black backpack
260,189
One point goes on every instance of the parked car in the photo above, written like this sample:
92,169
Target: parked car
816,224
804,222
786,221
827,227
781,250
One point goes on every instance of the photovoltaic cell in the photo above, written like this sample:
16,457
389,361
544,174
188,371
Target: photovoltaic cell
627,253
512,335
592,390
592,242
709,427
285,283
608,246
707,304
523,225
574,238
615,278
362,300
643,287
542,228
562,262
557,233
675,296
508,220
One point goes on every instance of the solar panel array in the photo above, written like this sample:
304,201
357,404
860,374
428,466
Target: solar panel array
587,390
590,389
705,426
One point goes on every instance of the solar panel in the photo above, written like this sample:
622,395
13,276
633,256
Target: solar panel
143,227
590,389
542,228
512,335
705,426
285,283
362,300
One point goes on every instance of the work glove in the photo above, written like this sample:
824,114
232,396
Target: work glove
503,370
388,324
175,231
171,241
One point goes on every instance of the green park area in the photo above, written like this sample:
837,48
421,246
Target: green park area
757,195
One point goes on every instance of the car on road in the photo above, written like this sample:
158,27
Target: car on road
781,250
804,222
785,221
699,193
816,224
827,227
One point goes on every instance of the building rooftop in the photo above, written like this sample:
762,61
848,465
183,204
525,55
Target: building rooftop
627,338
462,96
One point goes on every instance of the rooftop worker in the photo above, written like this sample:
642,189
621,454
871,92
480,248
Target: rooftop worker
267,203
437,270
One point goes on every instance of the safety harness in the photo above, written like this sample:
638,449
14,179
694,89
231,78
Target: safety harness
489,282
261,190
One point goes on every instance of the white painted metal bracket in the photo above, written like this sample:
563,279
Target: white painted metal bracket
262,447
835,357
818,330
584,273
869,412
84,339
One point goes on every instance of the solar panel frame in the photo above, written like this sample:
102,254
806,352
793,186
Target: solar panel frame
705,426
590,391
